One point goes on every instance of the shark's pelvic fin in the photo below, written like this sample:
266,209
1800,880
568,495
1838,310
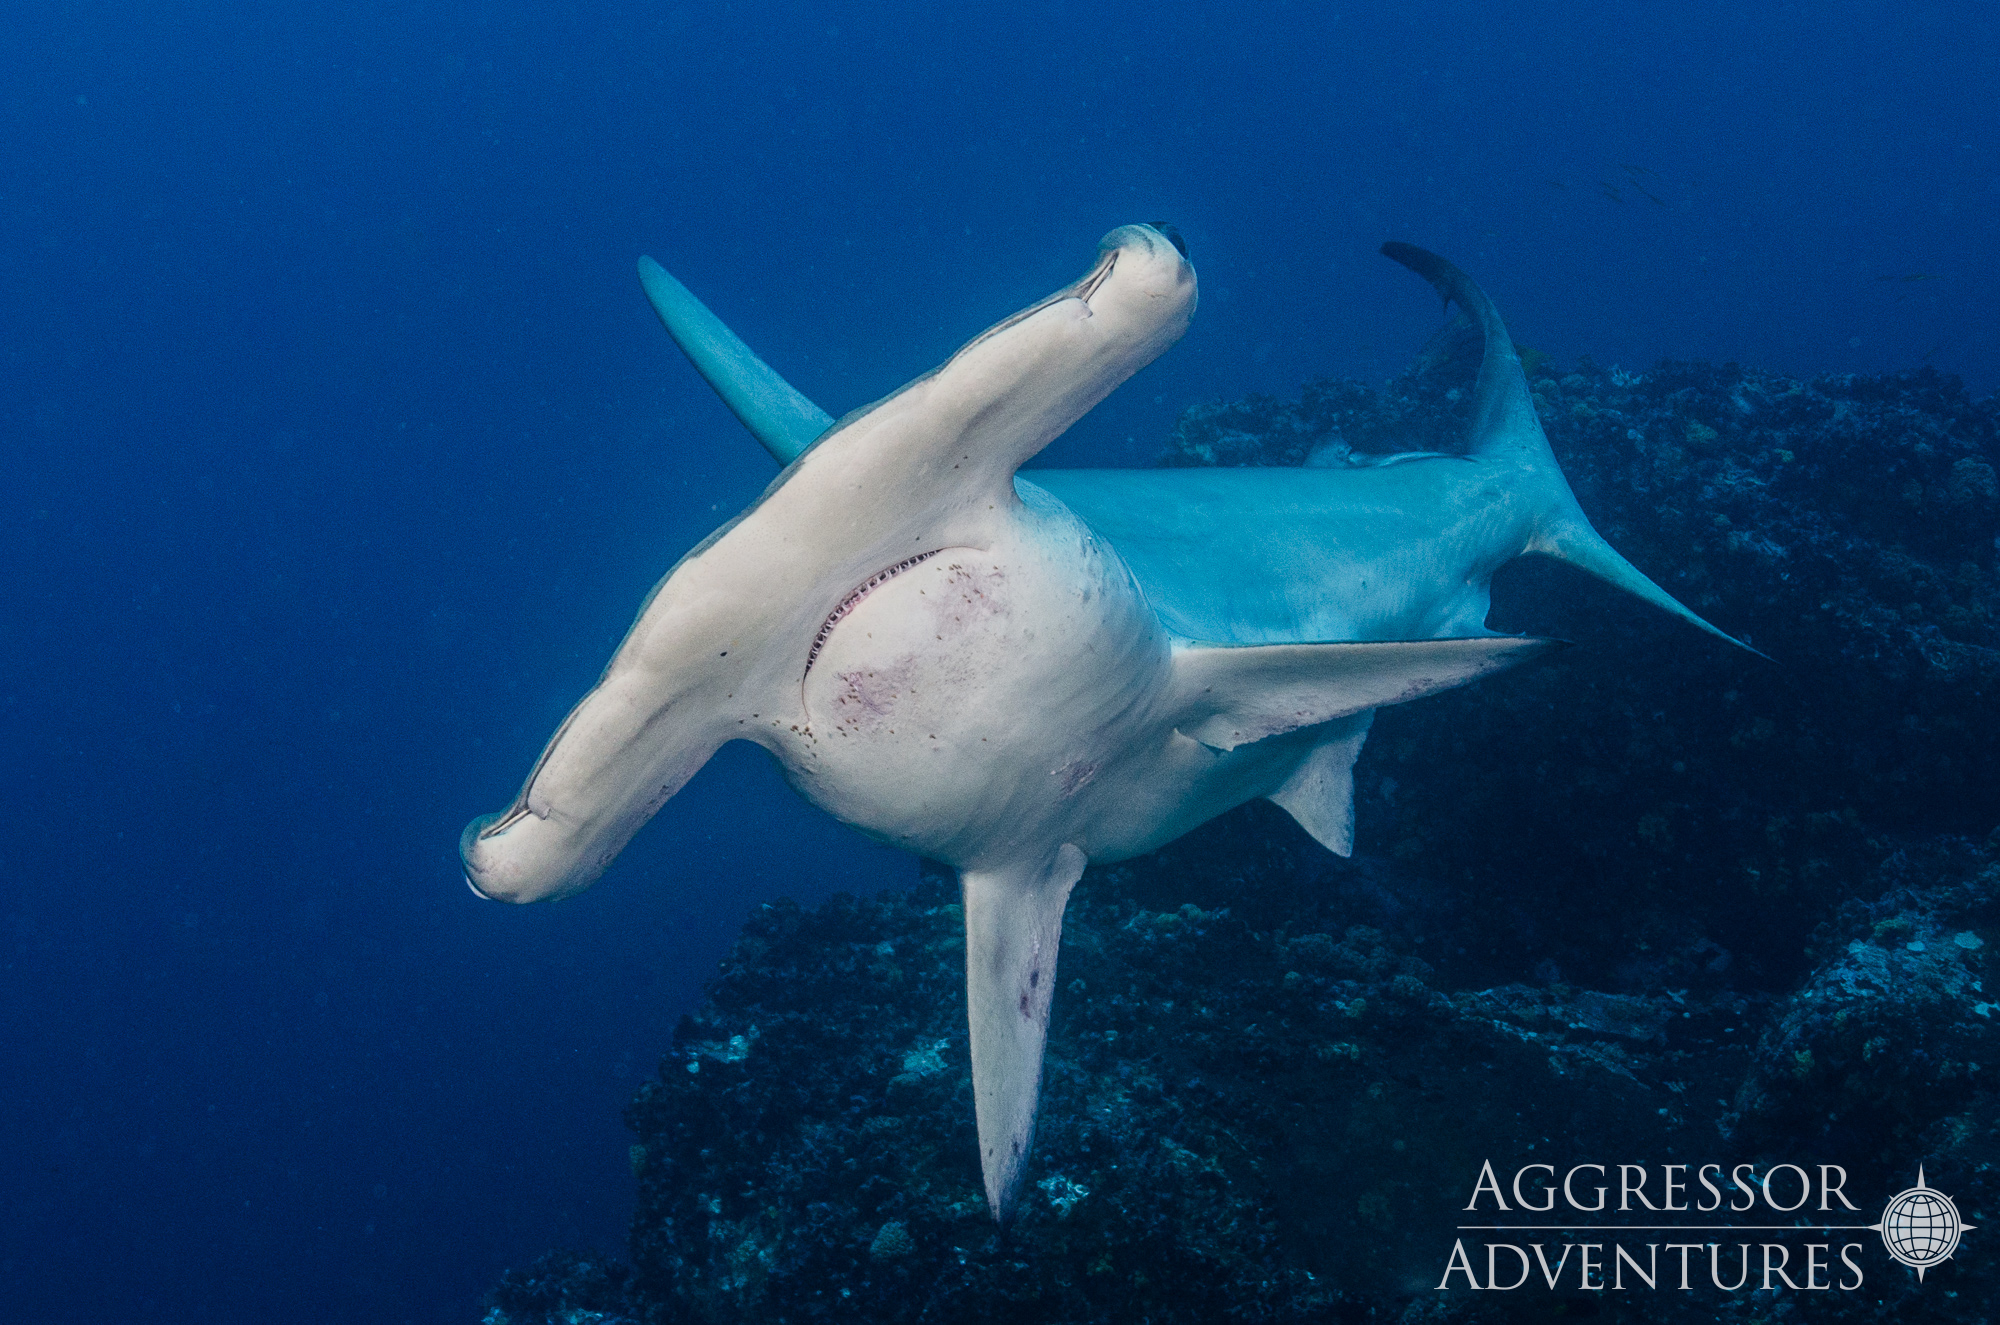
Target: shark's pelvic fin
1231,695
1505,427
1013,926
774,411
1320,792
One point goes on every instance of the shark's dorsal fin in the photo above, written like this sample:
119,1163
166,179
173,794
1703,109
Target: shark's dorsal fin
774,411
1231,695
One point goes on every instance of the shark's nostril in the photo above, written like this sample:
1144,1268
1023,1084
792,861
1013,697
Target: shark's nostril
1172,233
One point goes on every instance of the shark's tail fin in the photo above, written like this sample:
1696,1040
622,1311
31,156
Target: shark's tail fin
1505,428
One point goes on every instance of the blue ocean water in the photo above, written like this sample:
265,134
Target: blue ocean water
342,446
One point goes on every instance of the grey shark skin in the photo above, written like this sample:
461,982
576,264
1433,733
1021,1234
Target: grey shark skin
1019,677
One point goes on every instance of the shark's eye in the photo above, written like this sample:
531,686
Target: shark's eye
1172,233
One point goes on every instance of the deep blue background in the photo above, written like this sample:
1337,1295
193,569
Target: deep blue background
341,446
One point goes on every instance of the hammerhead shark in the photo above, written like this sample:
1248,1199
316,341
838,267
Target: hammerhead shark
1017,676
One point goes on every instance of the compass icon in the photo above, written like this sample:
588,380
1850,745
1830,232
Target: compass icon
1921,1227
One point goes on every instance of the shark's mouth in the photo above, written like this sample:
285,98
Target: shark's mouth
853,600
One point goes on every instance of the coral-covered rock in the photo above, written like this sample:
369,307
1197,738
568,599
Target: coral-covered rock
562,1288
1238,1122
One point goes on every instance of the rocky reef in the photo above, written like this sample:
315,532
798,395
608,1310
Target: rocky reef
1657,903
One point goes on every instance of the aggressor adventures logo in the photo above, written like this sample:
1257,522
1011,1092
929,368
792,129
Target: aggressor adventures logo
1919,1227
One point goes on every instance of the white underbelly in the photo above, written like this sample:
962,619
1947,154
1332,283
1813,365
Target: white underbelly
963,701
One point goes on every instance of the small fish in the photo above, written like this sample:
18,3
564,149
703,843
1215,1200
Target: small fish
1632,174
1913,276
1609,191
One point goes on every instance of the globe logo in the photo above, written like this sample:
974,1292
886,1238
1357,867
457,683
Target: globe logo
1921,1227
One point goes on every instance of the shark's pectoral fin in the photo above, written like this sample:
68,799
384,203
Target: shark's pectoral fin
1013,926
1231,695
1320,791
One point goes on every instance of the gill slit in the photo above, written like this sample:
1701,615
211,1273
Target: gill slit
1097,278
1081,291
521,807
